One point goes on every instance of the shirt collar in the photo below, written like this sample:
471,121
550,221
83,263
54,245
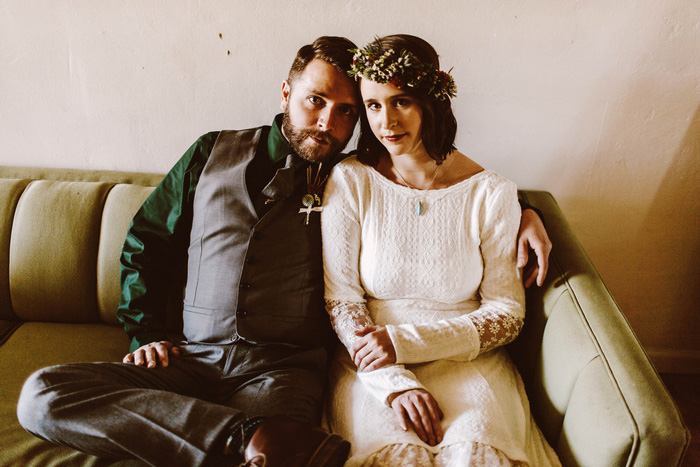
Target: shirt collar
277,145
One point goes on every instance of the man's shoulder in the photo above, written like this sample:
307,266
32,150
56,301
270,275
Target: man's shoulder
207,139
205,143
214,135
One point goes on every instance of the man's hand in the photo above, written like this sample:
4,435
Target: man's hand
532,235
150,354
374,349
419,408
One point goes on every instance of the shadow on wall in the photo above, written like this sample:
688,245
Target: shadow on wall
672,228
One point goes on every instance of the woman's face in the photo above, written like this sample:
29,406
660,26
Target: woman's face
394,116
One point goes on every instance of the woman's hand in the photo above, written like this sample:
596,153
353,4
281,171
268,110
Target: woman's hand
419,408
150,355
374,349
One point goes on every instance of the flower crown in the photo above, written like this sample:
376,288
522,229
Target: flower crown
401,70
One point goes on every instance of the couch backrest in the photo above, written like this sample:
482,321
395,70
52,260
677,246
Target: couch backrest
61,236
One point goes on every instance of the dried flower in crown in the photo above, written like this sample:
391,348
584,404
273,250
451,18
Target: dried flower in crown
401,70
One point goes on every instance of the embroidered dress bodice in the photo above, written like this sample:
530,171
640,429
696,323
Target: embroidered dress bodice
421,275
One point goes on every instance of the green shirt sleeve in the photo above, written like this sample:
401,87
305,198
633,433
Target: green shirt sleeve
156,243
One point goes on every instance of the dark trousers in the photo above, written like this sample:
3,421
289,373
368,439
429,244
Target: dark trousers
171,416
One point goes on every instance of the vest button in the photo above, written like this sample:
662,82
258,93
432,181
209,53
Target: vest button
242,312
244,285
257,236
250,260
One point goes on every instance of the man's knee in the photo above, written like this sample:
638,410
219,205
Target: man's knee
34,405
296,394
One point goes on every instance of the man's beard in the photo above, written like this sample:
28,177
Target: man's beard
313,153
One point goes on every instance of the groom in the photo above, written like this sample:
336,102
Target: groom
247,382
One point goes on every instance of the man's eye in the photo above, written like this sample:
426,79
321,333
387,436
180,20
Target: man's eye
315,100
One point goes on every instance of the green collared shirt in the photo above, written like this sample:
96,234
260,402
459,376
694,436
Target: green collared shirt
277,145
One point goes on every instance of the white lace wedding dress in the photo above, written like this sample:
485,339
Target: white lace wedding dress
445,284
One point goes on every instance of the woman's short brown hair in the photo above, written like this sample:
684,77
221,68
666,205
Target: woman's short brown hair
438,125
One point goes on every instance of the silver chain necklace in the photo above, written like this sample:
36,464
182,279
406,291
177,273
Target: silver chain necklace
420,207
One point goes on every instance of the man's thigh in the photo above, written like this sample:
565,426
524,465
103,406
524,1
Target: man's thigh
185,377
268,381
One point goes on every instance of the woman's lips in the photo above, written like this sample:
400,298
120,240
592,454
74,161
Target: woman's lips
393,138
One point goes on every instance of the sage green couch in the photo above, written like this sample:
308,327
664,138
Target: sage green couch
592,389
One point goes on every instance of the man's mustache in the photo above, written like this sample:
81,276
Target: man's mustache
324,136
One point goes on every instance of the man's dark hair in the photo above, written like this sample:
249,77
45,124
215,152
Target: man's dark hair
438,125
333,50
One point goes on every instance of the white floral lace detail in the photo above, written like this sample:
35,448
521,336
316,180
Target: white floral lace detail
495,328
346,318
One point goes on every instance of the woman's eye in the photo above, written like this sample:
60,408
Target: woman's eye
373,106
403,102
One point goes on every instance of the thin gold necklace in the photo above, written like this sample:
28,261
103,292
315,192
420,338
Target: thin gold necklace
420,207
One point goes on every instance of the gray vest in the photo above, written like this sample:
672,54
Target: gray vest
260,280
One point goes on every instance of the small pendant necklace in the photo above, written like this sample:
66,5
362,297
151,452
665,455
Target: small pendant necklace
314,187
420,207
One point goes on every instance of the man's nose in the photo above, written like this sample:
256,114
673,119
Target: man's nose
326,119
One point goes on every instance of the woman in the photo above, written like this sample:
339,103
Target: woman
421,281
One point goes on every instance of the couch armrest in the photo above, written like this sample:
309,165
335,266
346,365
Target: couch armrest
592,388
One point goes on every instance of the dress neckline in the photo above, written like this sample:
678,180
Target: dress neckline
406,189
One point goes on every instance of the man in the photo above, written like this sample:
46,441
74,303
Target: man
247,382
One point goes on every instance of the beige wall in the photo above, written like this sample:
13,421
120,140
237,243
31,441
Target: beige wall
595,101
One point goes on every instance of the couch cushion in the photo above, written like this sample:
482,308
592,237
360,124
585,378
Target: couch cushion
598,428
37,345
10,191
80,175
53,251
6,329
120,206
566,350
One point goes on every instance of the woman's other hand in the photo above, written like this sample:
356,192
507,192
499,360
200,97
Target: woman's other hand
419,409
374,349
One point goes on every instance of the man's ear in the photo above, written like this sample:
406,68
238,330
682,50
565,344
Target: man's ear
286,91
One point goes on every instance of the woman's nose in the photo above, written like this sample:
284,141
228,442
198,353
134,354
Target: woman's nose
388,118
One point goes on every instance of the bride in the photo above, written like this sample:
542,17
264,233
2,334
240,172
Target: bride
422,287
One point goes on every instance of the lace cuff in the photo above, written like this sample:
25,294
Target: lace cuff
346,318
496,328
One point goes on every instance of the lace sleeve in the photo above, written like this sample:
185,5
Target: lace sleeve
495,328
347,318
500,317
